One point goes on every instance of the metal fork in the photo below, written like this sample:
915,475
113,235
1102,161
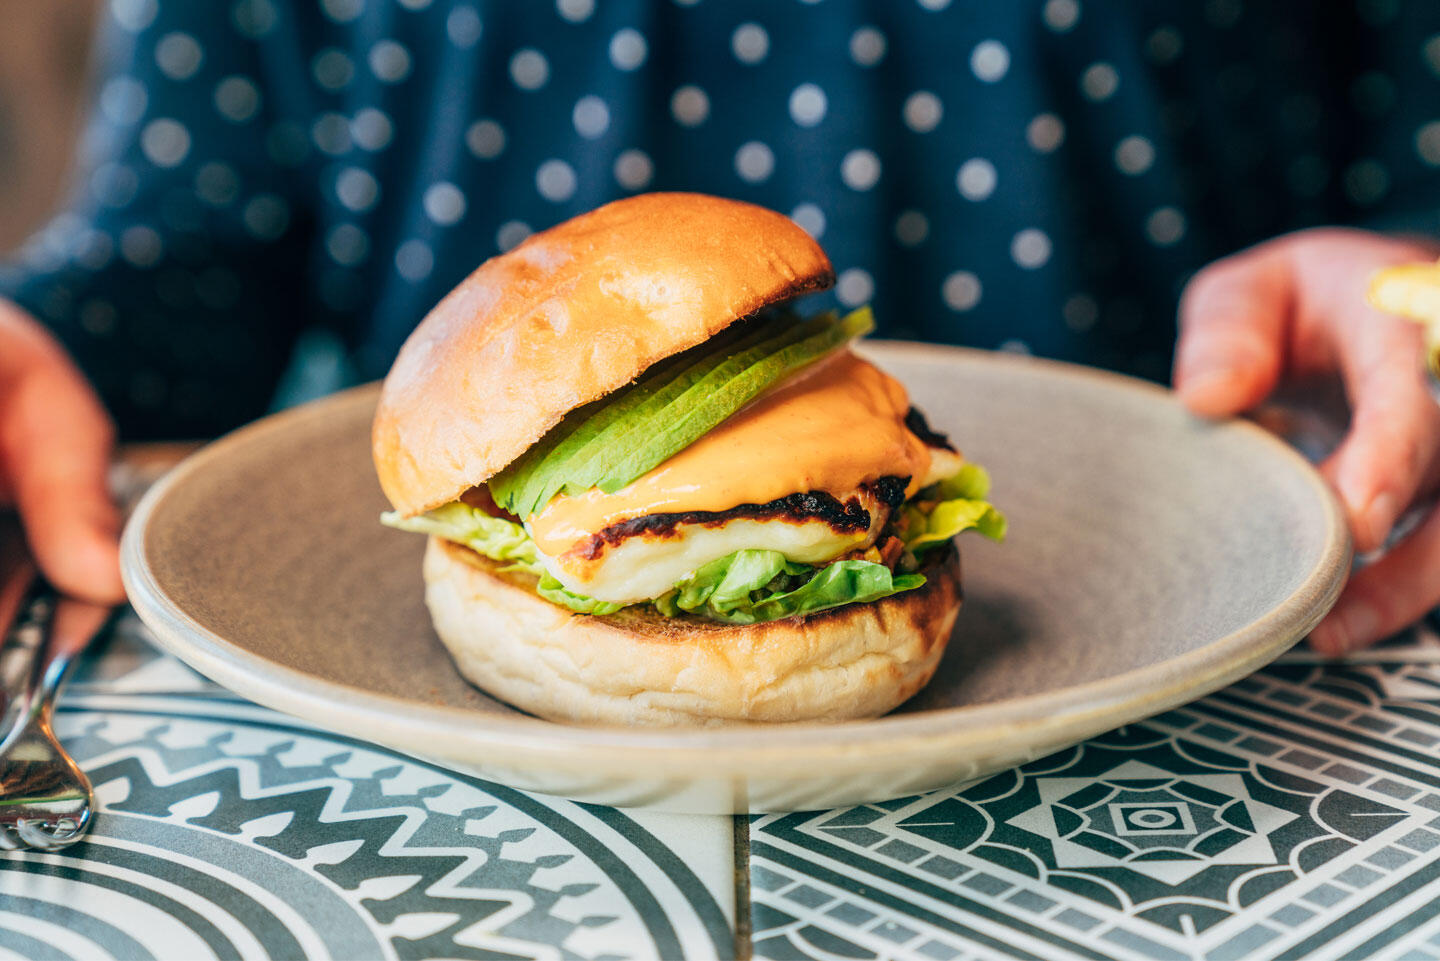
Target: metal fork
46,801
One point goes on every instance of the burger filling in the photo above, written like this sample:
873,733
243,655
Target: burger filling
768,474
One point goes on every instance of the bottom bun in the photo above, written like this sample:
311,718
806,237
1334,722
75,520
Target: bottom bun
640,667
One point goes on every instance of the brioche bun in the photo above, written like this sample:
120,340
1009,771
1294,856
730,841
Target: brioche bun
570,315
638,667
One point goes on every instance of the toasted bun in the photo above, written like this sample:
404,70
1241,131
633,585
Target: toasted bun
570,315
638,667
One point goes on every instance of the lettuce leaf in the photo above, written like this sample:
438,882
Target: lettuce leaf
949,507
752,586
556,593
495,537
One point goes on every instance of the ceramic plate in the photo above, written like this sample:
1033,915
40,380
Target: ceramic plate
1152,558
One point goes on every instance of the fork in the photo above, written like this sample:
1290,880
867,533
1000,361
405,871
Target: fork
46,801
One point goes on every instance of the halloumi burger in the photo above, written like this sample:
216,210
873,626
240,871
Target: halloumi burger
656,495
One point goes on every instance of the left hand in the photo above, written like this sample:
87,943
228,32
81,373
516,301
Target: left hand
1294,307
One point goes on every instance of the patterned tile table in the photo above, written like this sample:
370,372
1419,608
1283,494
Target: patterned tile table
1295,814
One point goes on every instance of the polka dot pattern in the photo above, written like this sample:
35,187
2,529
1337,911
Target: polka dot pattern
1038,176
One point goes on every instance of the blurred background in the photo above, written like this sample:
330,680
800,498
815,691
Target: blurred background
44,73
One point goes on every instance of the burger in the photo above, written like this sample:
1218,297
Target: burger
657,494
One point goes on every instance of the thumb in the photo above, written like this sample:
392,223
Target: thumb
1233,317
55,443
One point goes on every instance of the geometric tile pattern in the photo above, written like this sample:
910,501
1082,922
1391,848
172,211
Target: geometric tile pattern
1295,814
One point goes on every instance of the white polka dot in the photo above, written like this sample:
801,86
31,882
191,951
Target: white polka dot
529,69
253,18
1099,82
860,169
486,139
141,246
591,117
286,143
371,129
178,55
1165,226
810,218
94,250
331,133
754,162
1080,312
1366,181
1432,53
961,290
1165,45
989,61
415,4
444,203
576,11
342,11
165,142
1061,15
266,216
1134,155
1307,175
854,287
347,245
511,234
1030,248
114,185
750,43
217,184
134,15
1427,143
633,169
332,69
463,27
807,105
911,228
555,179
414,260
867,46
389,61
98,317
237,98
357,189
1045,133
922,111
976,179
690,106
1223,13
934,4
627,49
123,100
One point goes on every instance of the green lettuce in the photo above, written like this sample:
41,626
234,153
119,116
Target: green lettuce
495,537
556,593
953,505
752,586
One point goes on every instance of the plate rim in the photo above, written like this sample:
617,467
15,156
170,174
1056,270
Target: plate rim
1070,714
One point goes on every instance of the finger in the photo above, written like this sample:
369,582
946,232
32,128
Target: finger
55,443
1386,596
1394,435
1233,318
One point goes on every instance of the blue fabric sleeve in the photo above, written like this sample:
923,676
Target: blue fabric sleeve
174,276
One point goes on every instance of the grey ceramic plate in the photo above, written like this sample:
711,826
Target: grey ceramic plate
1152,559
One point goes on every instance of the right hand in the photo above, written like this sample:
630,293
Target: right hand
55,445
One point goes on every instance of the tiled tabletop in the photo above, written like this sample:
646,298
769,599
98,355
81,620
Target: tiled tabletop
1295,814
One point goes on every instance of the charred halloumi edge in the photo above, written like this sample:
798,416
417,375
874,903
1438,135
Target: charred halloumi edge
631,563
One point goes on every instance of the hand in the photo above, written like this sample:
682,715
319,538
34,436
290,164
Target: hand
1294,307
55,444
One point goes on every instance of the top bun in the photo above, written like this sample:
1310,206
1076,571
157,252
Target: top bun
572,314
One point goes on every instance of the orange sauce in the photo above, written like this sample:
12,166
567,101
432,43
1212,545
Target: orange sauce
836,425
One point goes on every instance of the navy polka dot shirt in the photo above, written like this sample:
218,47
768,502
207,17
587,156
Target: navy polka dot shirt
1033,175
